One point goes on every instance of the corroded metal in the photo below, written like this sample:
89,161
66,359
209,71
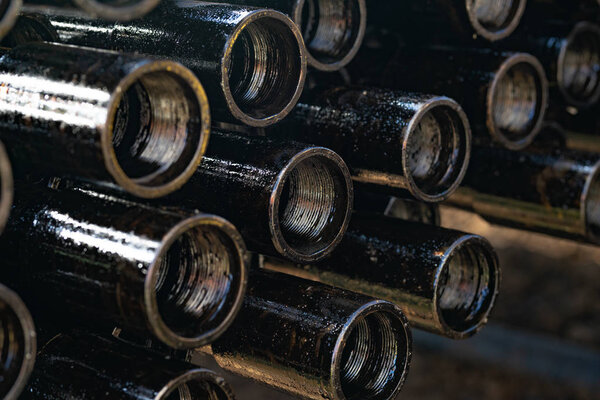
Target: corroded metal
141,123
6,187
116,10
413,144
507,93
251,61
447,20
103,261
444,281
554,191
394,207
316,341
78,365
333,30
9,12
286,198
17,344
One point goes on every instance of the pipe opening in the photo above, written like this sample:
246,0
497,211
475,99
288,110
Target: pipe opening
198,390
198,280
580,65
374,357
495,19
437,149
519,96
467,286
12,347
157,129
265,68
313,205
332,29
592,207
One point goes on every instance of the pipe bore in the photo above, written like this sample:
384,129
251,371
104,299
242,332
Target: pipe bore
9,10
17,344
590,205
197,384
333,30
264,68
436,149
495,19
579,65
517,101
157,129
311,204
467,285
373,360
6,187
195,287
119,10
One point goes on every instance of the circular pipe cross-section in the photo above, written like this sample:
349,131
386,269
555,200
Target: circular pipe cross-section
8,15
495,19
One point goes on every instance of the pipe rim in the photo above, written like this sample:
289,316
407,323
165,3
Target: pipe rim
592,184
10,17
503,32
277,237
201,375
349,56
457,174
157,324
117,13
6,187
541,106
133,185
234,108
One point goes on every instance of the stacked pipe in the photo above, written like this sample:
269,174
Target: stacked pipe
174,188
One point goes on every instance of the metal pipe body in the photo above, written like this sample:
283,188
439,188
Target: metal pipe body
394,207
30,28
333,30
252,61
6,187
286,198
405,143
141,123
504,94
448,20
115,10
17,342
549,191
80,365
444,281
105,262
316,341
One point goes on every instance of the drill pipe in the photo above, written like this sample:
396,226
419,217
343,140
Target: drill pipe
251,61
8,15
444,281
448,19
316,341
394,207
103,115
505,92
17,344
333,30
80,365
106,262
6,187
30,28
287,198
404,143
553,191
116,10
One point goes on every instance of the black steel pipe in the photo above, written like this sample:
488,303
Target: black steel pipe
99,260
553,191
394,207
116,10
507,93
316,341
251,61
9,11
17,344
30,28
141,123
448,19
6,187
333,30
444,281
286,198
80,365
414,144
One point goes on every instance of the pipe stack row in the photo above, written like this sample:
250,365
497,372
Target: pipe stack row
260,181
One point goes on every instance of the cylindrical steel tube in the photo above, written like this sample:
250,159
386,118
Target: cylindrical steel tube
394,207
80,365
286,198
107,262
333,30
103,115
251,61
448,19
444,281
116,10
409,143
9,10
316,341
549,191
6,187
507,93
30,28
17,344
